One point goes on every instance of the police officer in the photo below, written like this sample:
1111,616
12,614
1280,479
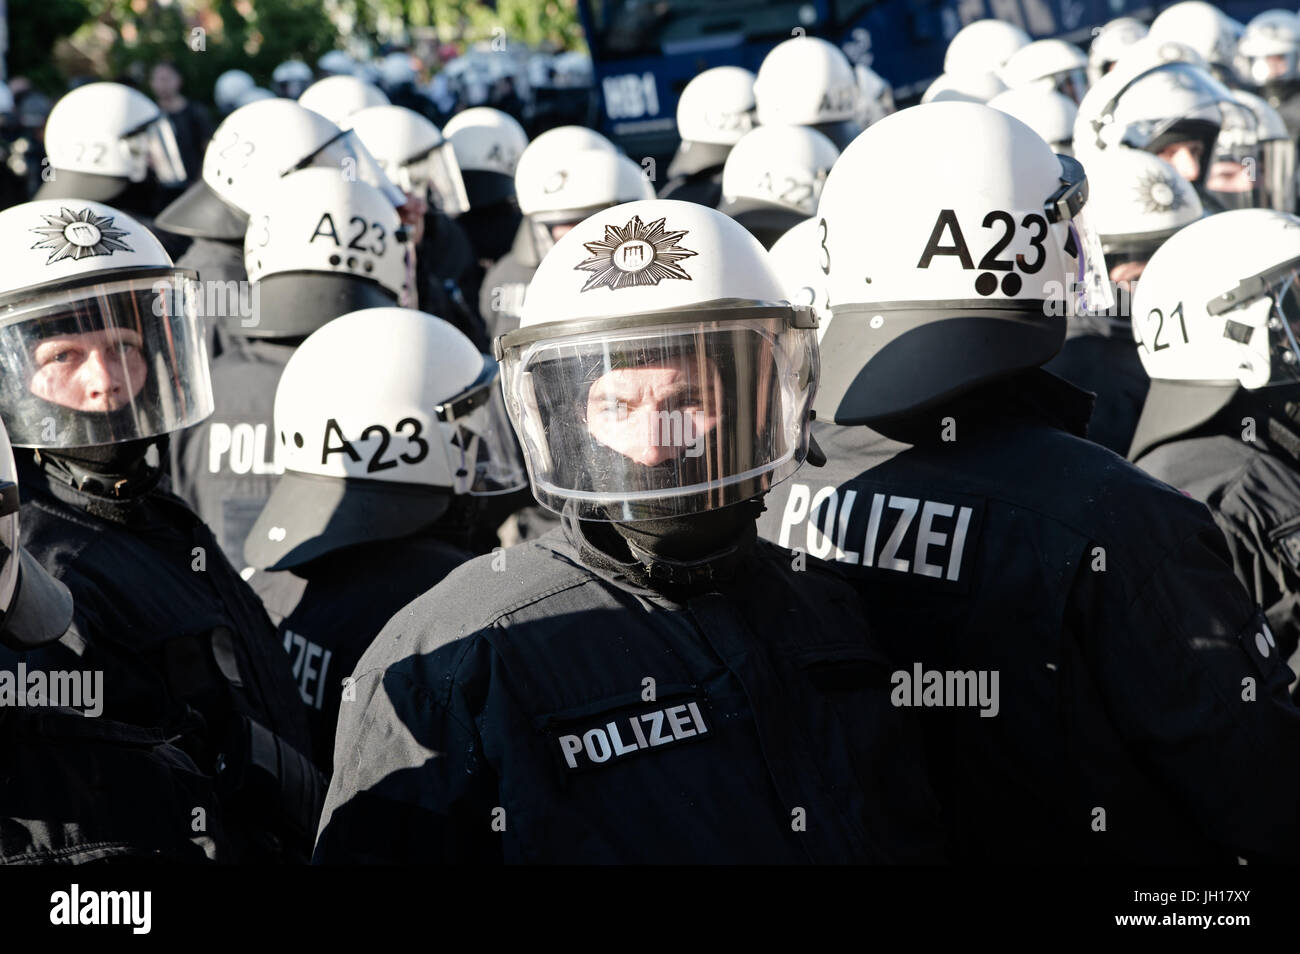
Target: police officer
255,146
1207,30
1162,99
806,81
1109,44
650,683
229,87
715,109
1140,698
1135,202
78,787
290,78
338,97
557,189
318,246
102,358
385,475
110,143
422,162
1269,58
1052,65
773,179
1221,421
488,146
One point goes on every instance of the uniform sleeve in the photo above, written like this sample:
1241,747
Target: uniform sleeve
410,785
1197,684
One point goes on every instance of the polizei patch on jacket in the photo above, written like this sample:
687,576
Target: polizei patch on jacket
78,235
636,254
606,738
929,538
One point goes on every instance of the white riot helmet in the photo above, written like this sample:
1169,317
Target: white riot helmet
1206,29
1167,106
774,177
1270,183
715,109
1218,306
290,78
336,63
1109,43
875,96
254,95
658,369
231,85
100,342
338,97
396,71
254,147
983,46
488,144
1045,111
717,106
380,454
35,608
578,185
1135,202
974,275
964,88
1048,64
539,161
413,153
806,81
794,257
319,245
101,136
1268,53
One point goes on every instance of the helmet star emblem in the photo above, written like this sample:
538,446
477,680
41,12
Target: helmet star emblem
78,235
636,254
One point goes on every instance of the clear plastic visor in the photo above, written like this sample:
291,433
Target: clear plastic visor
8,548
483,456
154,147
1268,68
104,363
436,174
1281,287
1072,83
1082,258
346,151
661,421
1181,93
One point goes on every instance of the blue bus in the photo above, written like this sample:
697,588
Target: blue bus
644,52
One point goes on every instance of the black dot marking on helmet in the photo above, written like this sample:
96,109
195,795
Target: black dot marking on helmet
352,261
1011,285
987,283
334,260
283,439
370,266
297,439
229,181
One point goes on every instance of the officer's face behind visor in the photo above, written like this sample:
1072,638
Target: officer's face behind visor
663,421
103,363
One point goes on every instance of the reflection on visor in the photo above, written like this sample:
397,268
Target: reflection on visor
345,151
484,458
439,174
1082,257
1279,285
664,421
163,152
104,363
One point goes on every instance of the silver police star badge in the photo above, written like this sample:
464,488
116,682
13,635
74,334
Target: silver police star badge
1157,193
636,254
78,235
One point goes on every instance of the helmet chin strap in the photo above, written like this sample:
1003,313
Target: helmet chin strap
106,470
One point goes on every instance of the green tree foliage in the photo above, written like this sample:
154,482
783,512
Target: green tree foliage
33,28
